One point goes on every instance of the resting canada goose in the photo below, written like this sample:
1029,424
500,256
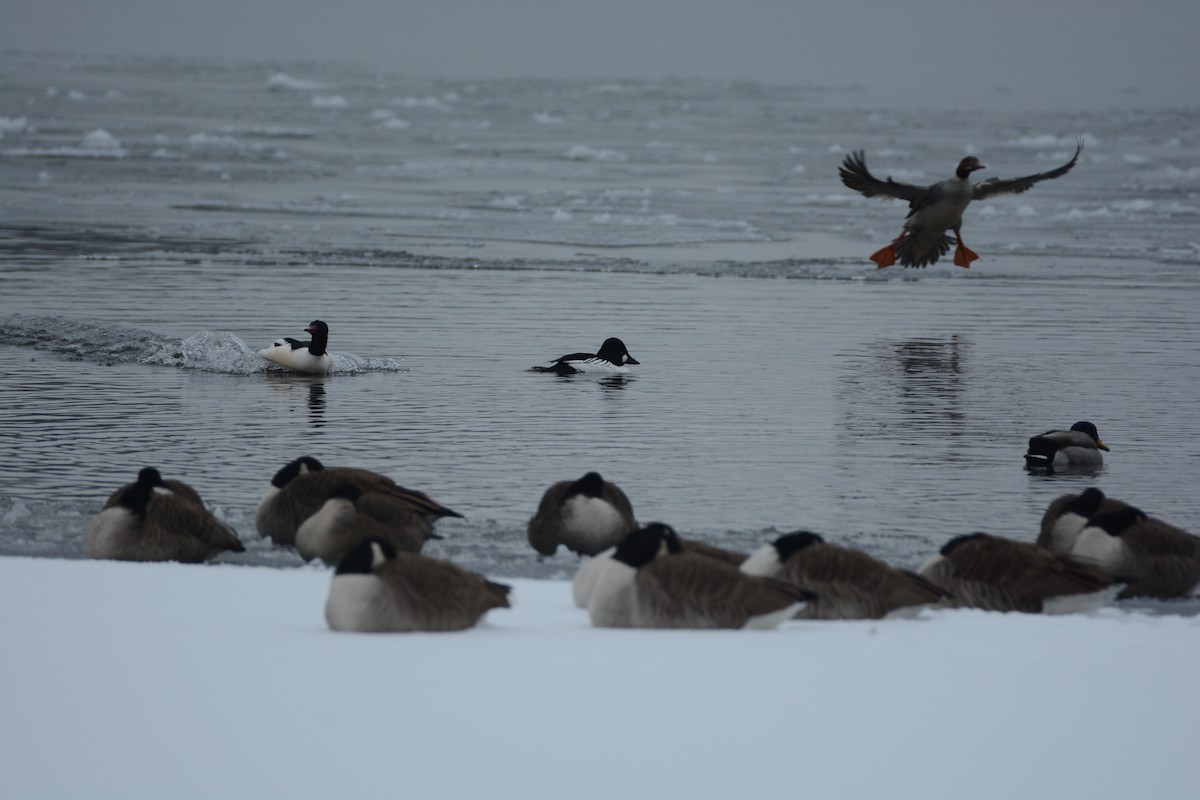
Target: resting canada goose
179,488
310,356
153,520
1153,558
1066,516
299,489
1078,448
587,516
349,516
378,590
651,582
849,583
587,574
998,574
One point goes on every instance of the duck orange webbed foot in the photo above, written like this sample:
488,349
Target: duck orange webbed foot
887,256
963,256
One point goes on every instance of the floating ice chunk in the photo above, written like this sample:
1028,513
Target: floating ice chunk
281,81
103,143
546,118
329,101
395,123
43,177
561,216
76,95
581,152
13,124
383,113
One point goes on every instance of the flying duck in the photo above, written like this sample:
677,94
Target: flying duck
652,582
935,209
157,520
849,583
1067,516
998,574
303,485
1154,559
613,359
376,589
1078,448
586,516
349,516
310,356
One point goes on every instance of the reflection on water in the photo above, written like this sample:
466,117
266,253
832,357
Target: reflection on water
289,386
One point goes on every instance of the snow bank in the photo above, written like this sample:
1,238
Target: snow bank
137,680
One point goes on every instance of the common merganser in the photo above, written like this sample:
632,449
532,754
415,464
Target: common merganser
935,209
1078,448
309,356
157,520
613,359
586,516
378,590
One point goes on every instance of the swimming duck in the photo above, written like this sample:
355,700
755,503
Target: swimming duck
612,359
157,520
849,584
376,589
349,516
1068,515
651,582
936,208
998,574
310,356
586,516
1153,558
1078,448
303,485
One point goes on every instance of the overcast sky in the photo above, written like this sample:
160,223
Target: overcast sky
1071,52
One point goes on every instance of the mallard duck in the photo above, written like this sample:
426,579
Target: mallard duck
1078,448
935,209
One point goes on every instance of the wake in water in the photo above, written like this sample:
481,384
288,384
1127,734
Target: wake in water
207,351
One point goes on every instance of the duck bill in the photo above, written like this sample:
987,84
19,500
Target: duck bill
1101,445
631,360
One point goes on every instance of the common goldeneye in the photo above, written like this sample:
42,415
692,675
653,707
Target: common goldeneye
613,359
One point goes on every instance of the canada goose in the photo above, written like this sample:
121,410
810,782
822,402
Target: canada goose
612,359
849,583
651,582
998,574
586,576
587,516
349,516
1066,516
179,488
310,356
934,209
1154,558
154,520
301,487
1078,448
376,589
